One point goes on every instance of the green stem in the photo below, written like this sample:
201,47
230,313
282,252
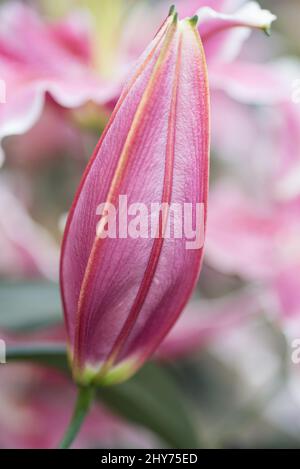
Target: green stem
83,403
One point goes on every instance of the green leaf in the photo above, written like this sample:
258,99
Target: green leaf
29,305
53,355
150,399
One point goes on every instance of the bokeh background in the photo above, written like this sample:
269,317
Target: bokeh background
225,376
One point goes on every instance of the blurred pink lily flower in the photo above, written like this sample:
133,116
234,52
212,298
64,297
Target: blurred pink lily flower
27,249
122,296
35,147
258,98
226,24
258,239
37,58
61,64
253,228
203,321
35,409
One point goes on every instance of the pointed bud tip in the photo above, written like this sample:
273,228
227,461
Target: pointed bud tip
175,18
267,30
172,10
173,13
194,20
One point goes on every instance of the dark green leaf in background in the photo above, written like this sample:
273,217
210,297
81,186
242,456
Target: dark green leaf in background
29,305
151,398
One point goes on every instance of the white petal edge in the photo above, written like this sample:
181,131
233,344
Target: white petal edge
251,15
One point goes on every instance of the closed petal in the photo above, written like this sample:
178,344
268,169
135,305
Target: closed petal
121,296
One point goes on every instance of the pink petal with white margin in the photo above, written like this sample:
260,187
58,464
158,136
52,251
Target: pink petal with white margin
52,136
36,58
223,34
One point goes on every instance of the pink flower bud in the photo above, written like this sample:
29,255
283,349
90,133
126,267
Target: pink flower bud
123,293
